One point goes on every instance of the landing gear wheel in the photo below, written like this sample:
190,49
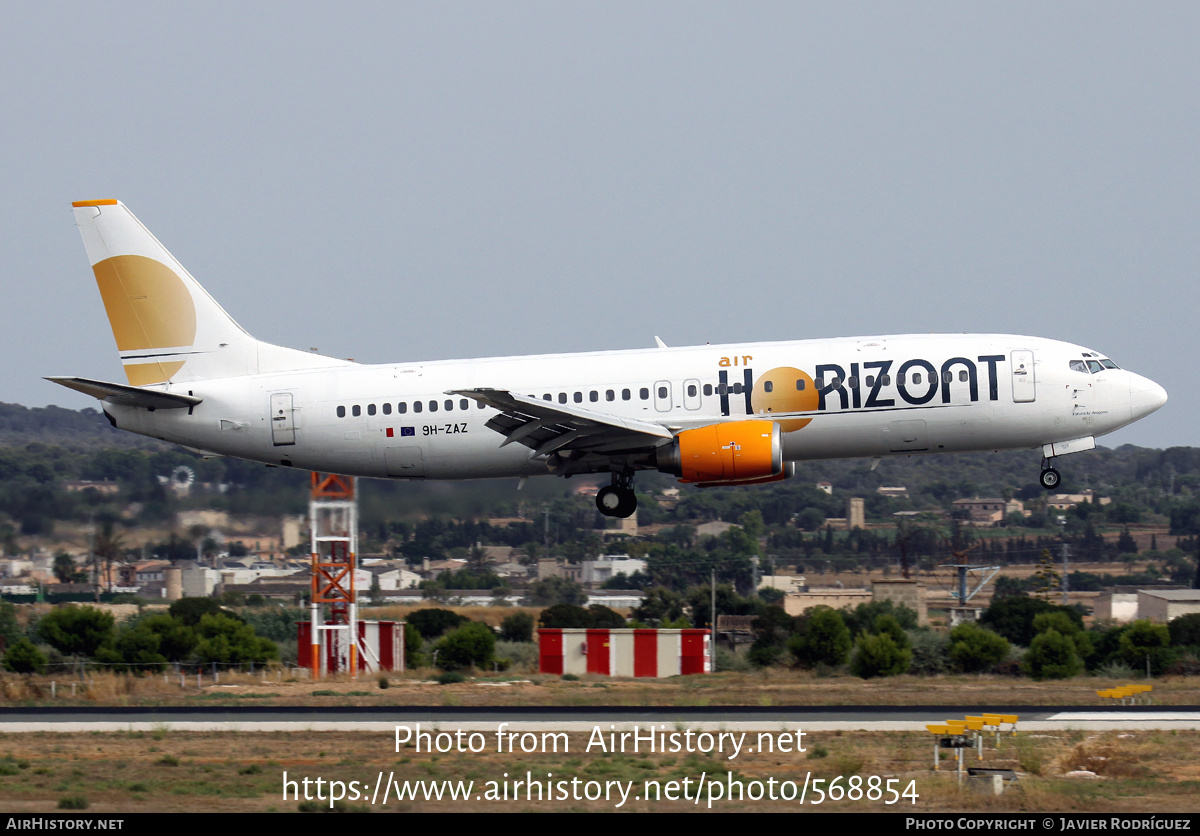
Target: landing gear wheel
613,501
1050,478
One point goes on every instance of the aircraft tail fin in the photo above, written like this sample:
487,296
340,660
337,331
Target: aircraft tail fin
167,327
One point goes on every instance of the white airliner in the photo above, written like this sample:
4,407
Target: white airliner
735,414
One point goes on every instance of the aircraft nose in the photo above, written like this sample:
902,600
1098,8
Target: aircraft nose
1145,396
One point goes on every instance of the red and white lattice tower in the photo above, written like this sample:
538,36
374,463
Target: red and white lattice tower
333,521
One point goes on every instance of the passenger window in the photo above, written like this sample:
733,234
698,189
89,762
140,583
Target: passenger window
644,393
578,397
691,390
401,408
547,397
370,409
593,396
870,380
341,412
356,410
887,380
962,376
662,391
449,405
464,404
769,386
610,395
562,397
433,406
947,376
737,388
418,406
800,383
820,381
387,409
707,389
917,379
626,394
853,382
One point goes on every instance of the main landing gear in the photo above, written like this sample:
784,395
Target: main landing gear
1050,477
618,499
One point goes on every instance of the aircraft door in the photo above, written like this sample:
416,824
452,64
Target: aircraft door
404,462
1024,383
691,394
662,395
283,419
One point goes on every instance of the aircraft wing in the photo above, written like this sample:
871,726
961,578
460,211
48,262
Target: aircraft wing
127,395
546,427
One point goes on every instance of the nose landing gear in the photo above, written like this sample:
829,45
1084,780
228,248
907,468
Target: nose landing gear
1050,477
618,499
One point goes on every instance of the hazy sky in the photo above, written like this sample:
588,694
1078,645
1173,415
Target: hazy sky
400,181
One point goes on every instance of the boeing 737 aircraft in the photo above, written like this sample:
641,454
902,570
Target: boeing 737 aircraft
739,414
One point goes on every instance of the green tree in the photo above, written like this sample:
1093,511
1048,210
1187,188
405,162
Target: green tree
191,610
1145,643
974,648
433,622
602,616
879,655
565,616
1013,617
23,656
76,630
555,590
1185,630
825,641
659,605
470,645
226,640
10,628
1052,655
517,627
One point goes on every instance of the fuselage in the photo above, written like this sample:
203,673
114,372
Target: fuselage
833,398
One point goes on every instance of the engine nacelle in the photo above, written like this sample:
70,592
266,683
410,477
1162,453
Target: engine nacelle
733,453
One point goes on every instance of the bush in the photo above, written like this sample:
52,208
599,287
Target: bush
432,623
1052,655
76,630
24,657
974,648
565,616
825,641
1013,618
517,627
930,651
191,610
472,644
1185,630
879,656
1144,643
226,640
602,616
521,655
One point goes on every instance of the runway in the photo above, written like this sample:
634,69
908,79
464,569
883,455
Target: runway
376,719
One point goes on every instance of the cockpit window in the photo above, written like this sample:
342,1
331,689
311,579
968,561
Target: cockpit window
1094,366
1109,364
1079,366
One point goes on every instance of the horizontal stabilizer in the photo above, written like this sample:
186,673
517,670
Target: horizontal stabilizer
126,395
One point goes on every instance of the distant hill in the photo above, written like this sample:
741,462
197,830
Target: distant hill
21,425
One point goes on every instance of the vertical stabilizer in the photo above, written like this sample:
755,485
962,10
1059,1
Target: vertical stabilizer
167,327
